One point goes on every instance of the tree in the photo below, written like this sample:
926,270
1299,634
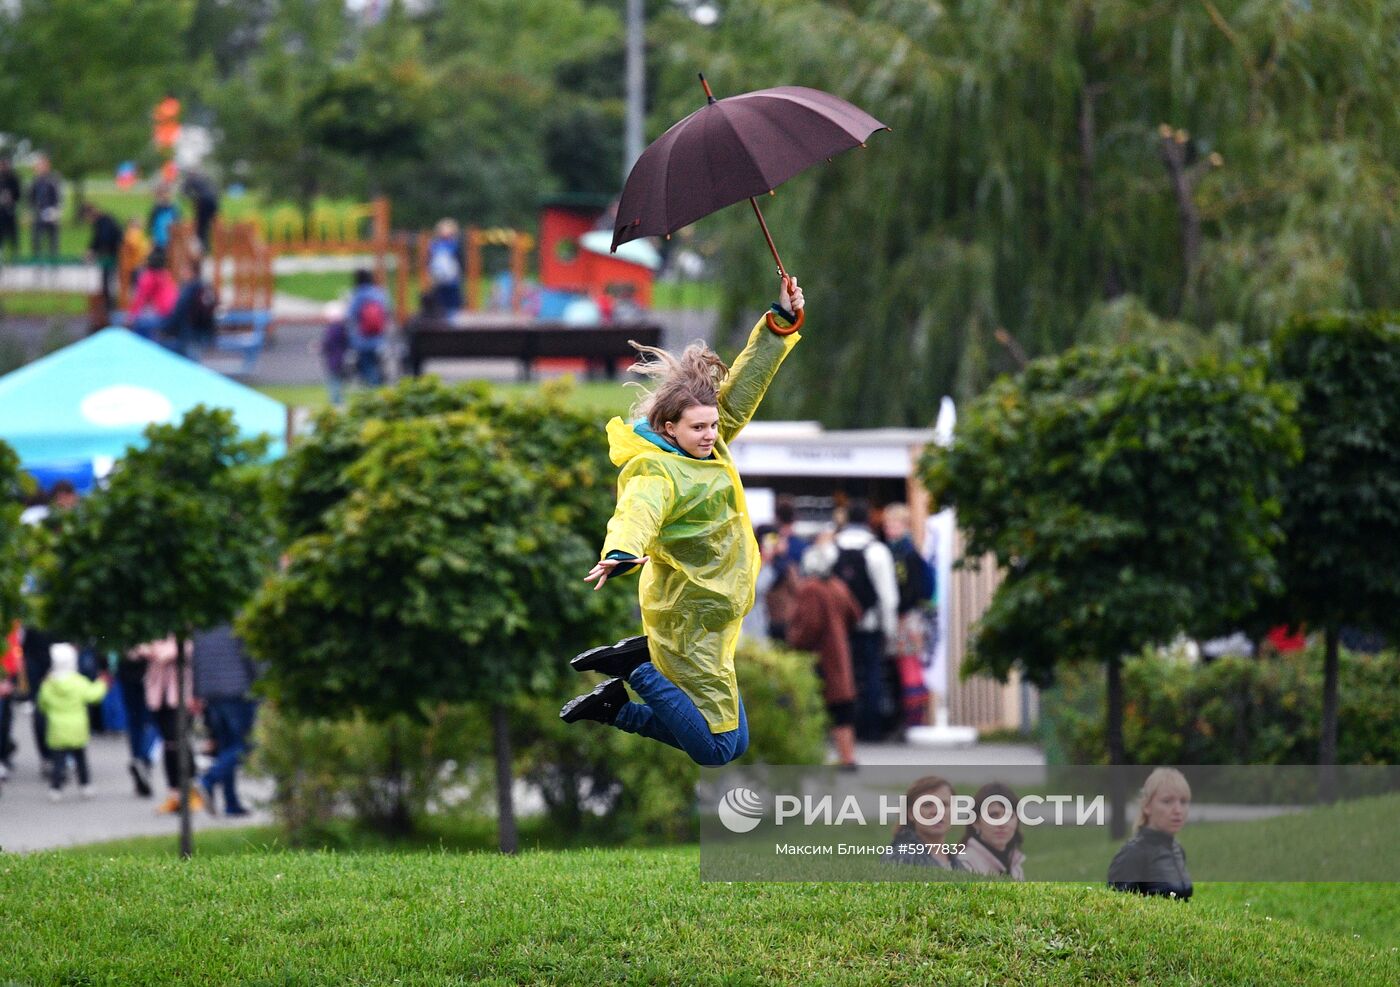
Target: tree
12,535
1340,560
175,543
1127,494
441,538
80,79
1032,183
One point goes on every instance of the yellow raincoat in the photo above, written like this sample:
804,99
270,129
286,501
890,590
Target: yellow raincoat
690,517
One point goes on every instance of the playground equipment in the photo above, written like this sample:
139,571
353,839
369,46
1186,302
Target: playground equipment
573,259
358,229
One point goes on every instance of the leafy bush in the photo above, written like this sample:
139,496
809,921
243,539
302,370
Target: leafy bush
598,784
1230,711
383,775
630,788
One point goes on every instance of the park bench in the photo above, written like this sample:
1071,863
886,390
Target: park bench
242,331
430,339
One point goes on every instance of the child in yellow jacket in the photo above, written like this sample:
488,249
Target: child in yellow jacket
682,522
64,699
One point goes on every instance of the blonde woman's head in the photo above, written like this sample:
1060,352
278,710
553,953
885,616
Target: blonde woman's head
1165,801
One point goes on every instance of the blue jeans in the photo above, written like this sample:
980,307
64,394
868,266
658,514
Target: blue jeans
140,725
670,716
872,697
230,722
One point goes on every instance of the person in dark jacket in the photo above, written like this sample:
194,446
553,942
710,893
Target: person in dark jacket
46,199
223,679
1153,862
103,248
9,207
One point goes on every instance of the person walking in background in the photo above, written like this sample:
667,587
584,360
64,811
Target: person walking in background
1152,862
103,249
823,614
10,195
445,267
164,215
914,579
11,670
163,700
136,247
335,345
994,847
34,646
223,681
65,697
46,201
204,197
786,565
865,565
141,731
367,319
155,297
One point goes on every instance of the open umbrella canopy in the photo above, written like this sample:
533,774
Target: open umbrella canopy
91,400
734,149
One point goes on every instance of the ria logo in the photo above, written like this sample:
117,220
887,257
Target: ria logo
740,810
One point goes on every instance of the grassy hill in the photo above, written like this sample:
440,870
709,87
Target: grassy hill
620,916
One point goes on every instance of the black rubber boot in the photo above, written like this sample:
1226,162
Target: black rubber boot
602,704
614,659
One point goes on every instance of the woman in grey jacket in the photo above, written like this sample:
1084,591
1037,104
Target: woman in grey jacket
1153,862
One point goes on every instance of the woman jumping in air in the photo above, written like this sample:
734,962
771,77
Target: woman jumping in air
682,521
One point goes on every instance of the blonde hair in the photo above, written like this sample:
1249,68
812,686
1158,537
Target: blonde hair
1159,779
684,381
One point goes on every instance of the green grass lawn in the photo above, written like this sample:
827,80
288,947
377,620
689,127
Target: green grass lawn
447,910
625,916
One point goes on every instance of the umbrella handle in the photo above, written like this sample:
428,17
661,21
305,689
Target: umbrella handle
782,272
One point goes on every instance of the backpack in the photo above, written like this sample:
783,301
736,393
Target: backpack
372,317
852,570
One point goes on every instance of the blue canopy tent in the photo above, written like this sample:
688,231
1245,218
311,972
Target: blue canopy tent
73,412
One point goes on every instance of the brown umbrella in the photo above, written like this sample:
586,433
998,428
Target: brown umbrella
733,149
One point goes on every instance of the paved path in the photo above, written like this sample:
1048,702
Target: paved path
29,821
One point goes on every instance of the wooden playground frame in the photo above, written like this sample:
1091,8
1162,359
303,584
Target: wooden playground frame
475,239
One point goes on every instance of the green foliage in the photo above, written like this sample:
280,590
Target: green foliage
463,108
1127,494
1341,559
323,769
598,778
1023,183
176,541
438,553
13,537
599,784
1231,711
80,79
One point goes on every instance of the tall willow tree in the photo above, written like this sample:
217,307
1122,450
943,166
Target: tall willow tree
1054,166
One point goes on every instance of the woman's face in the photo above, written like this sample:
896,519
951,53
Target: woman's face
996,836
696,431
1167,810
932,806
